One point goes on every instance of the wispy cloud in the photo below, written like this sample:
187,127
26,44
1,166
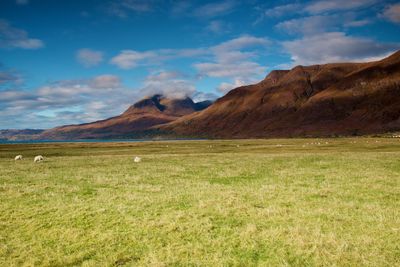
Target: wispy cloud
392,13
321,7
226,87
9,77
245,41
321,23
106,81
215,9
233,59
321,28
11,37
129,59
168,83
65,102
122,8
88,57
318,7
282,10
336,47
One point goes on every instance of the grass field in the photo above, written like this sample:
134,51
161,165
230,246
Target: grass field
289,202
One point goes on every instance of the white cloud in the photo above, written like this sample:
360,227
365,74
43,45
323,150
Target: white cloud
231,54
11,95
65,102
9,77
392,13
321,23
169,84
11,37
336,47
239,69
242,42
323,6
224,53
308,25
226,87
122,8
163,76
129,59
203,96
106,81
316,8
279,11
88,57
233,58
215,9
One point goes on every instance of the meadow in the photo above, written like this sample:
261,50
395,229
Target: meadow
278,202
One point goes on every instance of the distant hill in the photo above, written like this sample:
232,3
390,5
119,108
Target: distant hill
135,122
15,134
319,100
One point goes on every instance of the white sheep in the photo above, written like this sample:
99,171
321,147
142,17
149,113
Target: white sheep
137,159
19,157
38,158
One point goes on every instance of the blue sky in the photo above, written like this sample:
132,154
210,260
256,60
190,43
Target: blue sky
67,62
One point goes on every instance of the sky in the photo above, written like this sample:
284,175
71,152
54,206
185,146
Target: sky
69,61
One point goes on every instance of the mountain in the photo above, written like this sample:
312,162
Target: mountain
319,100
16,134
135,122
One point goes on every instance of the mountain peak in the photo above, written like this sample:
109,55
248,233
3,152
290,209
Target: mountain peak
135,121
148,103
170,106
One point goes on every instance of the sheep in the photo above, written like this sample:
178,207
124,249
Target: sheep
38,158
19,157
137,159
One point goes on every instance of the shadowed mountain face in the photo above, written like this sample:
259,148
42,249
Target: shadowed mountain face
319,100
134,122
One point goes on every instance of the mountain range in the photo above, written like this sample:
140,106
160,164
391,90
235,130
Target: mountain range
135,122
319,100
337,99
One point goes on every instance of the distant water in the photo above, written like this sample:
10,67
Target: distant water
90,141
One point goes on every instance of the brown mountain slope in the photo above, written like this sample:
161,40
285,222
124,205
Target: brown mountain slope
318,100
134,122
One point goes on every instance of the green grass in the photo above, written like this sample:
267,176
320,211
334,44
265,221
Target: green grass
202,203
